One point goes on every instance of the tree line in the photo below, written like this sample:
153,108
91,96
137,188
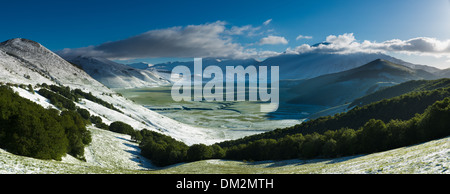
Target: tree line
70,96
164,150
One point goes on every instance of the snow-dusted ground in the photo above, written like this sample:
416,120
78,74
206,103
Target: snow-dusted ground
116,75
114,153
44,102
108,153
428,158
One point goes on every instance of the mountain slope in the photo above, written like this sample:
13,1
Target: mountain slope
222,63
343,87
300,66
30,62
444,73
140,65
165,69
400,89
310,65
24,61
115,75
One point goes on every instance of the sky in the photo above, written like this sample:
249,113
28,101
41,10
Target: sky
416,31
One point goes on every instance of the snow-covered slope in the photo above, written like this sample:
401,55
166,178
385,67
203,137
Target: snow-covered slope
27,62
32,61
116,75
108,152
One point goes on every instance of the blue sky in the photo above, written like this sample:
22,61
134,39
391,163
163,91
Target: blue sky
241,28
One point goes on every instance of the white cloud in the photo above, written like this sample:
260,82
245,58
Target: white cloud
347,43
235,30
272,40
303,37
267,22
248,30
341,40
423,45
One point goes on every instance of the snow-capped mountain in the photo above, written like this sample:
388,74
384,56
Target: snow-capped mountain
310,65
116,75
28,62
24,61
222,63
140,65
299,66
164,69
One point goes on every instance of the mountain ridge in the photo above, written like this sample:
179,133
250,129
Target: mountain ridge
302,66
311,65
25,56
116,75
343,87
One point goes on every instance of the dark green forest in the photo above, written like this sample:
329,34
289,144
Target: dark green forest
28,129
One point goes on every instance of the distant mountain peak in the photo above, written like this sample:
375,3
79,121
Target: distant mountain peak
140,65
383,64
26,58
379,60
21,42
15,40
117,75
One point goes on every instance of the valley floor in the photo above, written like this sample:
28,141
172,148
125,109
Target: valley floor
114,153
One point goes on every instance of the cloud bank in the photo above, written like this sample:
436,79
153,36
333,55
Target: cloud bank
346,43
207,40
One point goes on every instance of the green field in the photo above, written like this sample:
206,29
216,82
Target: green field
234,115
